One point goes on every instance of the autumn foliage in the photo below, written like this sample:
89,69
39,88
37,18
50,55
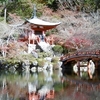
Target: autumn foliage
77,42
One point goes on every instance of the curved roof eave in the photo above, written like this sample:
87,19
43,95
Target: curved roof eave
37,21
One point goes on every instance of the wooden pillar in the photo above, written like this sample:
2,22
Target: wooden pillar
29,39
96,67
78,65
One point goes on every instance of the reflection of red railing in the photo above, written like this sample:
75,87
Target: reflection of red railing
3,91
36,96
33,96
50,94
81,54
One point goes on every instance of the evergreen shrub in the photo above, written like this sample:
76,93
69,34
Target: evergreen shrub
58,49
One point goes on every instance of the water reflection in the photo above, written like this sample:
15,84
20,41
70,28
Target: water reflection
46,85
28,85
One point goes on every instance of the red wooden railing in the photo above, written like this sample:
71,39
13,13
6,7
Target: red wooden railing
95,54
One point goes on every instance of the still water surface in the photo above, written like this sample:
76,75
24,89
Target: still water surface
46,85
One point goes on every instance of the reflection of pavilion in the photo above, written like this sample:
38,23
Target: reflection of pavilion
35,32
37,96
41,92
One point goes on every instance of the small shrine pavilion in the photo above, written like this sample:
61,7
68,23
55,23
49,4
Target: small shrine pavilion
38,28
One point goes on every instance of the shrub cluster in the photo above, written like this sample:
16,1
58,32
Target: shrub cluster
58,49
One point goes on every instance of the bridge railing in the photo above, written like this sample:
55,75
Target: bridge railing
93,53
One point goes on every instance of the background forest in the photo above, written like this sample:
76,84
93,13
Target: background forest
19,6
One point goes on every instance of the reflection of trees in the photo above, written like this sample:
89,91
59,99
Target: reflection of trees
48,76
29,81
19,86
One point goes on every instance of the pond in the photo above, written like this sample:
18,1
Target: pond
46,85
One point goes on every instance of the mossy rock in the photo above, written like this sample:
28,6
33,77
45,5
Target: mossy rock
41,62
43,54
55,66
55,59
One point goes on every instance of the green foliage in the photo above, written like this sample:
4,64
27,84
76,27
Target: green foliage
60,86
85,75
65,50
3,1
22,9
1,18
97,4
17,8
89,5
58,49
48,33
41,62
55,59
43,54
50,2
53,4
52,31
44,1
